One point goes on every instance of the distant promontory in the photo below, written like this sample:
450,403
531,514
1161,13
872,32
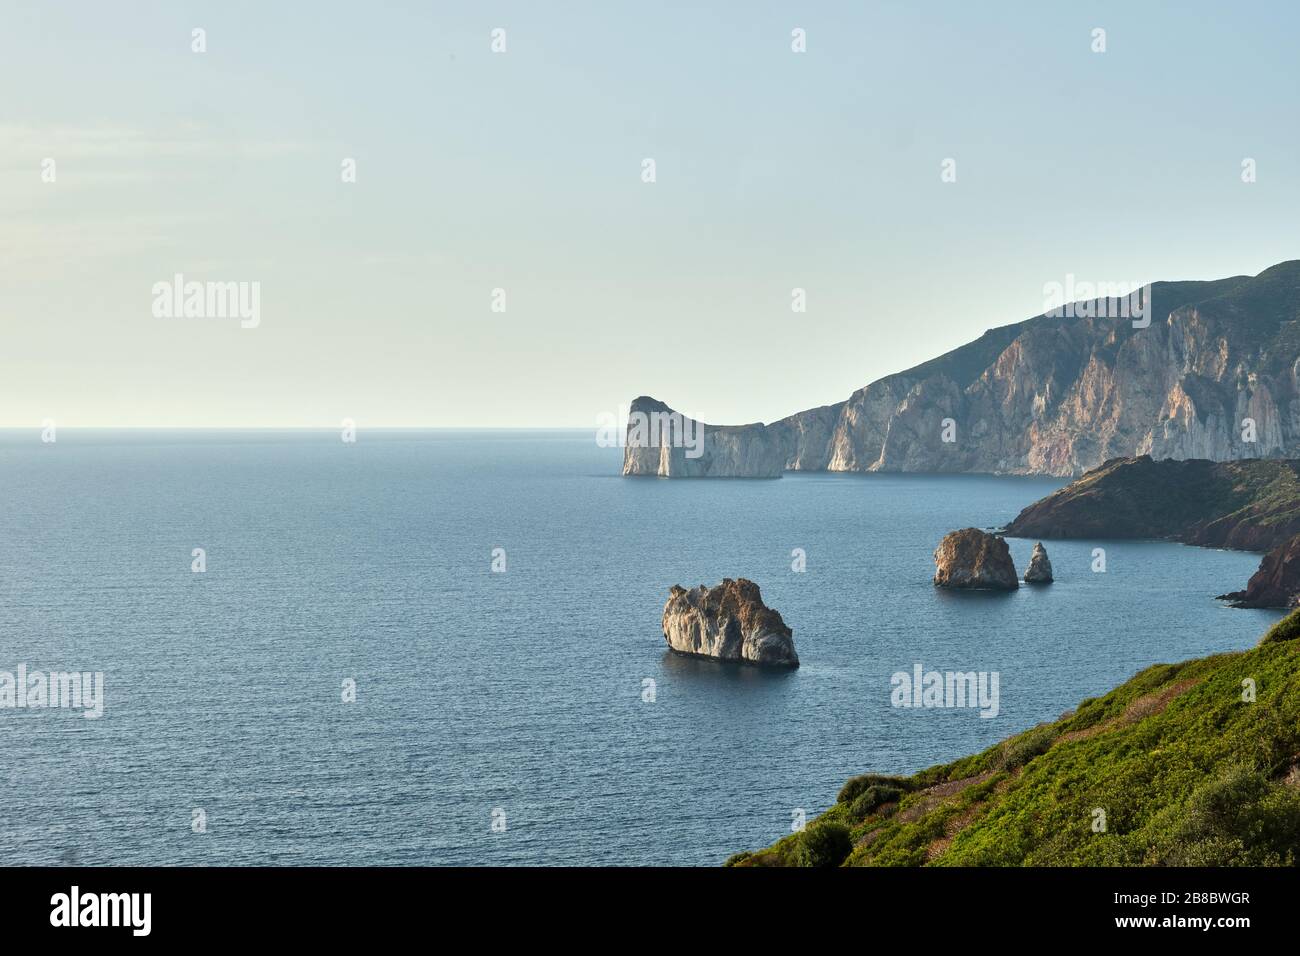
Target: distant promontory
1246,505
1211,370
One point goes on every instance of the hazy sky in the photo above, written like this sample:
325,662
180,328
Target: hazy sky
523,170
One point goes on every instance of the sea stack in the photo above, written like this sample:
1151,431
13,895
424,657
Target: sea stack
975,560
729,622
1040,566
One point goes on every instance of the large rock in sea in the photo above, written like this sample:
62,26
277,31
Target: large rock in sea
1040,566
1276,583
975,559
729,622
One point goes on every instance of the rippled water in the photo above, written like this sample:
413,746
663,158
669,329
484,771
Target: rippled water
518,691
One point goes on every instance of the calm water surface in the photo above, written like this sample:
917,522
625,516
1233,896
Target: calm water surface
520,691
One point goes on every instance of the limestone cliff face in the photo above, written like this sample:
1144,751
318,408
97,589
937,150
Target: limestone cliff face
729,622
1059,395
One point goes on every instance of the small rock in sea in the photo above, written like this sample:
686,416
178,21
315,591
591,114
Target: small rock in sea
1040,566
729,622
975,559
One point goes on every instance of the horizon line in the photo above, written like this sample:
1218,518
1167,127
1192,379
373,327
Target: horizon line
302,428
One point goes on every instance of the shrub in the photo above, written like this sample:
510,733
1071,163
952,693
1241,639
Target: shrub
1216,806
1287,629
871,799
856,786
737,858
1240,819
1020,750
1088,714
824,844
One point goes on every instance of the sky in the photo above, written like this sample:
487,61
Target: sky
524,171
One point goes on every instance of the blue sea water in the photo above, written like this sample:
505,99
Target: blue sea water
519,694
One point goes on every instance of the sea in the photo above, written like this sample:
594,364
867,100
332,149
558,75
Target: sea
444,647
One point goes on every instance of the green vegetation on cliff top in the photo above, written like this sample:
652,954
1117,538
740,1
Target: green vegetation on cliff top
1182,768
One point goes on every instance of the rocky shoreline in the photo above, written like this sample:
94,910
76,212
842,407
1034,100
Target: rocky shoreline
1241,505
1276,583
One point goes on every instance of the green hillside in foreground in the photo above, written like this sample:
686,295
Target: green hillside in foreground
1182,770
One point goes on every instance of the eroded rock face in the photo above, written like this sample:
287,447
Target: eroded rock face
1040,566
664,443
1276,583
1061,394
729,622
971,558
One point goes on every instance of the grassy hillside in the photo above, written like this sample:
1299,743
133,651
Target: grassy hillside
1185,771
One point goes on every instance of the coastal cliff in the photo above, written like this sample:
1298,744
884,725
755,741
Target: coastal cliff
663,443
1057,395
1276,583
1244,505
